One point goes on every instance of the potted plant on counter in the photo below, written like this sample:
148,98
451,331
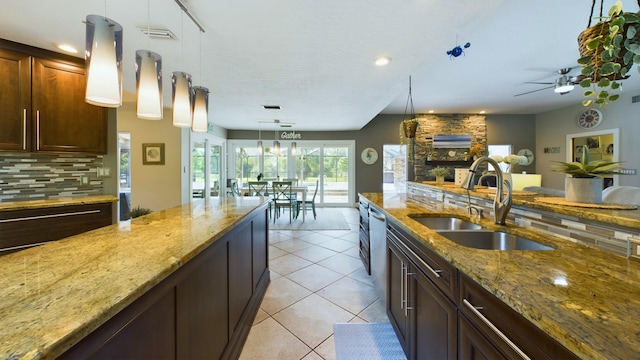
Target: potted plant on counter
439,173
585,182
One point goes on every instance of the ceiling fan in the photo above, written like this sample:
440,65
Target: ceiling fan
562,85
284,124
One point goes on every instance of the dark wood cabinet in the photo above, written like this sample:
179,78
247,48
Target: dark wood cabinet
204,310
438,312
501,328
42,101
27,227
203,300
425,319
15,100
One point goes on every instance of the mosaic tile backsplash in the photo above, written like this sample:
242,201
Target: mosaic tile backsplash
33,176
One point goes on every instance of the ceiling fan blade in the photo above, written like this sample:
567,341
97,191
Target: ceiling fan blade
540,83
532,91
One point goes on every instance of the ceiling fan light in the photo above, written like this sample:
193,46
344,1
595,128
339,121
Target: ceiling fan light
103,56
563,88
200,109
181,86
149,85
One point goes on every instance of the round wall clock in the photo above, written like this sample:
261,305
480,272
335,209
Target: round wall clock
590,118
528,154
369,156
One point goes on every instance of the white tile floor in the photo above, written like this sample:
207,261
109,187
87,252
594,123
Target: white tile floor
317,279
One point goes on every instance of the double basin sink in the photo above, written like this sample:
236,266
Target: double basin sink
472,235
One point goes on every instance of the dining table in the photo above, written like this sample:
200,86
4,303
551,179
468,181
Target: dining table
298,189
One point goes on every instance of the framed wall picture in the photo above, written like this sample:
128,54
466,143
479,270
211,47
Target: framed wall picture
153,154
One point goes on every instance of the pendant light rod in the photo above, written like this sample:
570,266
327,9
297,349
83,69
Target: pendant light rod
190,14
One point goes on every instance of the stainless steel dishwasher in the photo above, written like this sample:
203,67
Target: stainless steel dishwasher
378,246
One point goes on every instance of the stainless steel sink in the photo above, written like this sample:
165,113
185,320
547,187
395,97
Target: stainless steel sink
492,240
446,223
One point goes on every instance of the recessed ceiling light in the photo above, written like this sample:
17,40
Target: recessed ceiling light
431,111
382,60
68,48
482,112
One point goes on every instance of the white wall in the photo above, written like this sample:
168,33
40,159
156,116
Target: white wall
552,128
155,187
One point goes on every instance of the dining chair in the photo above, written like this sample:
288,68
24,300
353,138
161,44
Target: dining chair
309,203
233,189
258,188
283,199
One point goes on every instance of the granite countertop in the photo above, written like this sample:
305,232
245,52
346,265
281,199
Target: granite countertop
585,298
630,218
50,203
55,294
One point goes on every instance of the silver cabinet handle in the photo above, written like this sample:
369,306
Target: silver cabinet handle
50,216
24,129
475,311
38,130
402,285
376,216
435,272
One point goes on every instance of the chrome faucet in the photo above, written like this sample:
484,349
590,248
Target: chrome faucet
502,202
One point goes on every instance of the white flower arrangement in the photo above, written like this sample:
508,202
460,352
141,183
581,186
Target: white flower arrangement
515,159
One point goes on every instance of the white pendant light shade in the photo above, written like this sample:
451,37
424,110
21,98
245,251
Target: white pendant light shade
260,148
103,57
181,86
294,148
276,148
149,85
200,109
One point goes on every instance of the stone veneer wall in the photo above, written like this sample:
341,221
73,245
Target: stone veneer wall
445,124
25,176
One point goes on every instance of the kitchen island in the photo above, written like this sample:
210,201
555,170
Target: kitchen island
585,298
70,298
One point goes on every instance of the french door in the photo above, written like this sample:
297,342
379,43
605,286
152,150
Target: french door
328,164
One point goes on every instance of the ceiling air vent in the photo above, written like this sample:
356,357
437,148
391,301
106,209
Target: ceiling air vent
271,107
158,33
635,99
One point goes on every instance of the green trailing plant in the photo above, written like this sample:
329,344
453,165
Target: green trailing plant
585,168
611,53
139,211
439,171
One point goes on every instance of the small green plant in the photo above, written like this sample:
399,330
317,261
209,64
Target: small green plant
139,211
439,171
609,55
586,168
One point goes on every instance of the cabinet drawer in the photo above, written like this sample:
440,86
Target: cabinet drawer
440,271
21,228
508,331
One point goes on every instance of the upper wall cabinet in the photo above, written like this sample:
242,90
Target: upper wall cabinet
42,102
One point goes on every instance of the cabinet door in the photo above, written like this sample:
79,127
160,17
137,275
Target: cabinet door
397,292
473,345
240,273
433,320
64,121
15,100
202,304
260,246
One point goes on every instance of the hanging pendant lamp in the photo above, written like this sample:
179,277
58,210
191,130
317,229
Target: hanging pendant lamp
200,109
149,85
294,148
182,93
260,149
103,58
276,143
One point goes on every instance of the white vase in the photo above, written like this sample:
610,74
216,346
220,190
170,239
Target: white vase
583,190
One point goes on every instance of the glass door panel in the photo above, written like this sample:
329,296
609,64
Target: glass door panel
198,169
215,165
247,165
335,189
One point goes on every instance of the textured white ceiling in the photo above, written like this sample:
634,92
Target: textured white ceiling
315,58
